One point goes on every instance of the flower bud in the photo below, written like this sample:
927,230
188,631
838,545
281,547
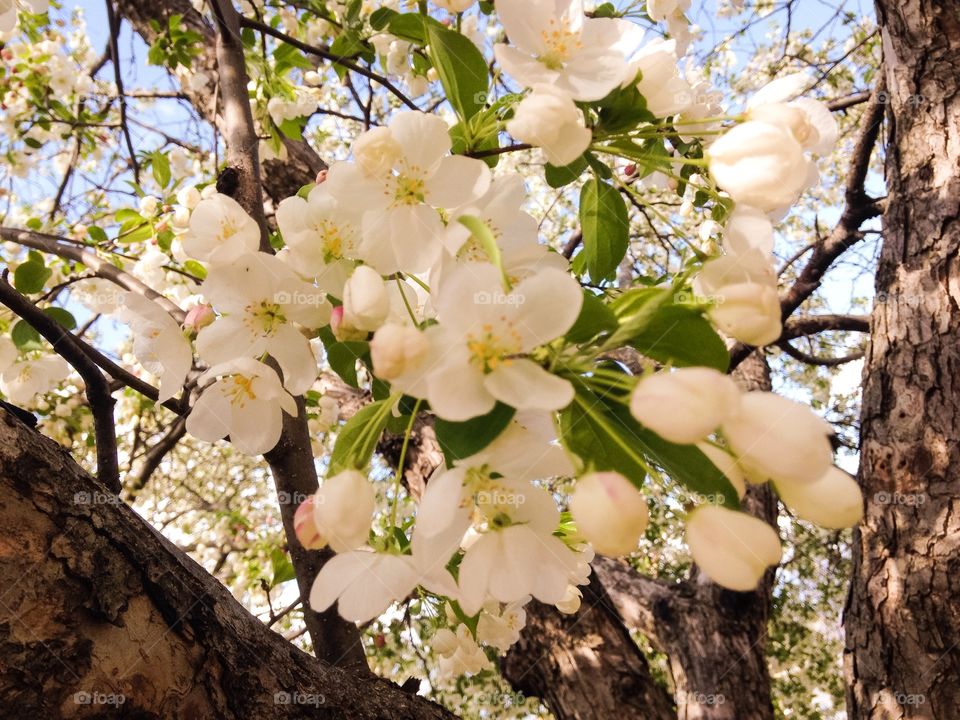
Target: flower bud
343,508
395,349
686,405
188,197
305,526
609,512
748,312
376,151
731,548
549,119
834,501
366,302
778,439
571,601
199,317
726,464
149,205
759,164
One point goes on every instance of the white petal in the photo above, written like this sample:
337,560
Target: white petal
292,351
456,392
551,303
457,181
525,385
208,419
424,139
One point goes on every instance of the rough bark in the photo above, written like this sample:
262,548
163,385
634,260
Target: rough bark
281,178
903,620
97,606
585,666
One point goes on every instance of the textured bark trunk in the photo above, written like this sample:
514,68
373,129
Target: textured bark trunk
100,616
903,619
585,666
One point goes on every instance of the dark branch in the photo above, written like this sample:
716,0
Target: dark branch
97,390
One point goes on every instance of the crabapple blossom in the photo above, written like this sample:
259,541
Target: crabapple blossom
731,548
554,43
158,343
779,439
748,312
260,298
686,405
321,237
548,119
760,165
662,86
400,174
23,380
748,229
809,121
609,512
834,501
342,510
366,303
500,626
398,353
246,401
305,526
459,652
483,333
220,231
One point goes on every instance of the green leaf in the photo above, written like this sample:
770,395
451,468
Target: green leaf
595,317
459,440
343,357
600,439
603,433
682,337
97,234
358,438
282,567
24,336
160,167
603,220
461,67
381,17
63,317
623,110
195,269
557,177
30,277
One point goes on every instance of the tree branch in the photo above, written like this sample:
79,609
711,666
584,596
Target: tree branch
96,387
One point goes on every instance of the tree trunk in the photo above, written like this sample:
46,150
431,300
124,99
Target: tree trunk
903,621
585,666
100,616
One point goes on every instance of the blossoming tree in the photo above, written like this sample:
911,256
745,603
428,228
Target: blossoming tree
493,291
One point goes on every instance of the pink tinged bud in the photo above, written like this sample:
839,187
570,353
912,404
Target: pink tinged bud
306,528
609,512
336,320
321,177
199,317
